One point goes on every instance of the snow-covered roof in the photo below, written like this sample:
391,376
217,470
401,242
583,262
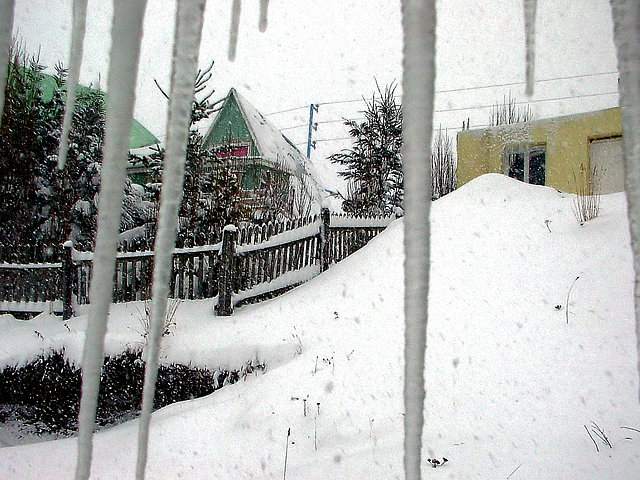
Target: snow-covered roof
516,127
274,147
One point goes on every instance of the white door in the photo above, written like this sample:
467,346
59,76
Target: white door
608,157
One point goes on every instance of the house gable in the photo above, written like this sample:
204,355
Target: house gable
268,149
230,124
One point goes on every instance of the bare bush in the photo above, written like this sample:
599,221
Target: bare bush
508,112
586,203
144,318
283,194
443,166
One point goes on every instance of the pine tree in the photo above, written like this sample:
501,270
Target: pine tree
374,163
45,207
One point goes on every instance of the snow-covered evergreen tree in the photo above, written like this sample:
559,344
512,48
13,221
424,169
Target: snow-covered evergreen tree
373,166
44,207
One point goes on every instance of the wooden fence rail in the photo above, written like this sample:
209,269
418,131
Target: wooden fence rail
250,263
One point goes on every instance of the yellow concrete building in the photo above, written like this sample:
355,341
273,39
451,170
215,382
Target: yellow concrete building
559,152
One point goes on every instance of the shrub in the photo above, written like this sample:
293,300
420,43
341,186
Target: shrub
586,203
45,393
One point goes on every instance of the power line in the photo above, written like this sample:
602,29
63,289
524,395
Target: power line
476,107
463,89
568,97
512,84
327,140
287,110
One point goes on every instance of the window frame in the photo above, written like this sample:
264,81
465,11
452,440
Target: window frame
526,150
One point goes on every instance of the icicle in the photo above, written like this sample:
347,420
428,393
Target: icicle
188,30
233,30
6,32
530,42
126,36
264,10
626,29
418,22
75,60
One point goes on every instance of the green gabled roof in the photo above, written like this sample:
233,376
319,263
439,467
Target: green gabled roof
140,136
228,124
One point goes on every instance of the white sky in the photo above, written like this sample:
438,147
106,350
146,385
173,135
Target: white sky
331,50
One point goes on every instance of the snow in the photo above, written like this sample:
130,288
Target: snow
184,68
73,77
418,85
285,280
283,238
509,383
28,266
626,20
49,305
126,37
344,221
78,256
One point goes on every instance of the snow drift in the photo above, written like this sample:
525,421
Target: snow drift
510,384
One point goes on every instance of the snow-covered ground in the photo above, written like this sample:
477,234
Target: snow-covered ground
510,384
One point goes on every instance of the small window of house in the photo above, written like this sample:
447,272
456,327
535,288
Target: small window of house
526,164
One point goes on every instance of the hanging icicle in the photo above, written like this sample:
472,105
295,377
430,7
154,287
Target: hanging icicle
233,30
626,29
126,37
264,11
418,84
7,8
75,60
530,7
188,30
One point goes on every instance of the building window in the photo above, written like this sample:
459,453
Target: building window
526,164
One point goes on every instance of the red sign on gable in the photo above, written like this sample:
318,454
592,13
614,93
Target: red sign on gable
240,151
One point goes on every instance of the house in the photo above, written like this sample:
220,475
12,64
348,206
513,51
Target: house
262,157
561,152
140,136
139,141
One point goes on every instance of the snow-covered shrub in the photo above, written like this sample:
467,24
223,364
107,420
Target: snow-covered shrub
46,390
42,206
45,394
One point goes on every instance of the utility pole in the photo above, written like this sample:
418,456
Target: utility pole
312,126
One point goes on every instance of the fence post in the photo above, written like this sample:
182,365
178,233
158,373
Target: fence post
325,216
67,281
226,274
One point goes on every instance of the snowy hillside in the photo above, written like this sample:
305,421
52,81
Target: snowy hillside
510,384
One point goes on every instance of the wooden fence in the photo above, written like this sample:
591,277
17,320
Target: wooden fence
248,264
